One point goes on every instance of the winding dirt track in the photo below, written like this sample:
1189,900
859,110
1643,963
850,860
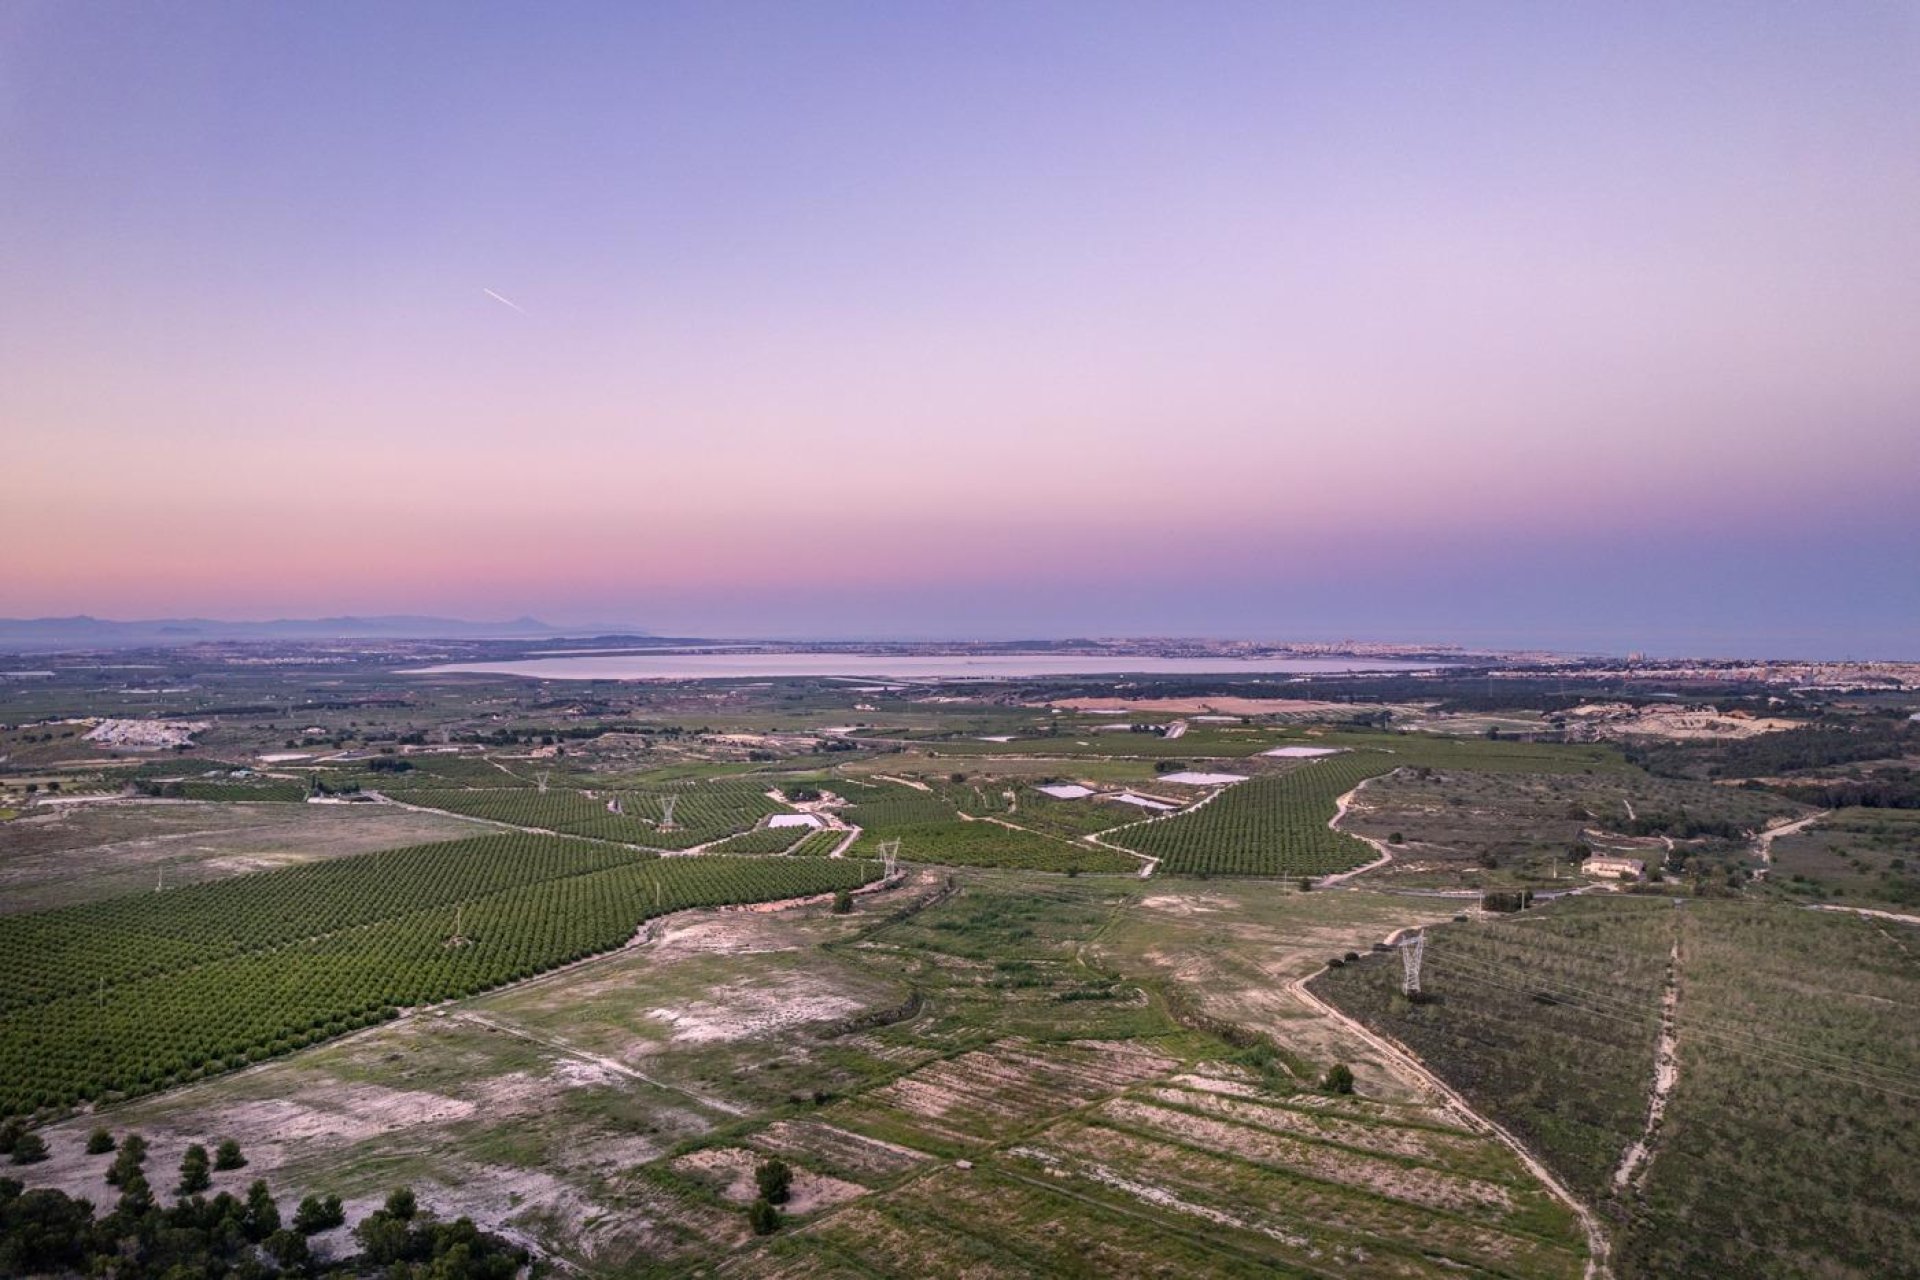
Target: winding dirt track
1340,807
1763,840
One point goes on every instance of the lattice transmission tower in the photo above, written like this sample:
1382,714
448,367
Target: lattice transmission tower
1412,951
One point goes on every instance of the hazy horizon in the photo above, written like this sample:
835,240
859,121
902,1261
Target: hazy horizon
1578,327
1568,644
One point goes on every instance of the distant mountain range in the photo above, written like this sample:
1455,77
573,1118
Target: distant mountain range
86,632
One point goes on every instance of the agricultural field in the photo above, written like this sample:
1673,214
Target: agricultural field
1495,829
1787,1146
82,853
930,829
701,812
1274,825
1858,857
134,994
1480,755
770,840
1075,1039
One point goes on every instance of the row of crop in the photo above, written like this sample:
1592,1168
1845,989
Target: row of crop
83,948
988,844
162,1029
762,840
1273,825
700,813
277,792
818,844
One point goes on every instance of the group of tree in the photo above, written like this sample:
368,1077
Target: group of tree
1887,787
46,1231
774,1180
20,1144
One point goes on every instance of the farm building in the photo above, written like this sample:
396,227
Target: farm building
1601,864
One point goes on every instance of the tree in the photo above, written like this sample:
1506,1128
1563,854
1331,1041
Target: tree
842,902
194,1174
775,1180
289,1249
315,1215
10,1134
227,1156
99,1142
402,1204
763,1217
136,1197
29,1148
1339,1079
125,1166
262,1215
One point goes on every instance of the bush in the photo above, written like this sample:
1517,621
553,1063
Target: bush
194,1172
289,1249
99,1142
29,1148
316,1215
227,1156
402,1204
775,1180
763,1217
1339,1079
262,1217
842,902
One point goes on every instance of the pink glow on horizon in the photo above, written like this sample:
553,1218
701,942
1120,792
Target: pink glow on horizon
822,309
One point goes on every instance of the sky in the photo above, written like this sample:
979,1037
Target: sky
1594,327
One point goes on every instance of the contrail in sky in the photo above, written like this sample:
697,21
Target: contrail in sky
509,302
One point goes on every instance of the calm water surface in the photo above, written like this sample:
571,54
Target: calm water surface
873,666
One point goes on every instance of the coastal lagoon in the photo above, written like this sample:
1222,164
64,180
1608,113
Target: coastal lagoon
723,665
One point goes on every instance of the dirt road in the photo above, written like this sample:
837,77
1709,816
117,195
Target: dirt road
1763,840
1340,807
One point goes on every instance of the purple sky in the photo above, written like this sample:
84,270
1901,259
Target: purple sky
1584,326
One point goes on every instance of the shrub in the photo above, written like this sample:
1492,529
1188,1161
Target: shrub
194,1173
99,1142
29,1148
775,1180
402,1204
1339,1079
316,1215
227,1156
763,1217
